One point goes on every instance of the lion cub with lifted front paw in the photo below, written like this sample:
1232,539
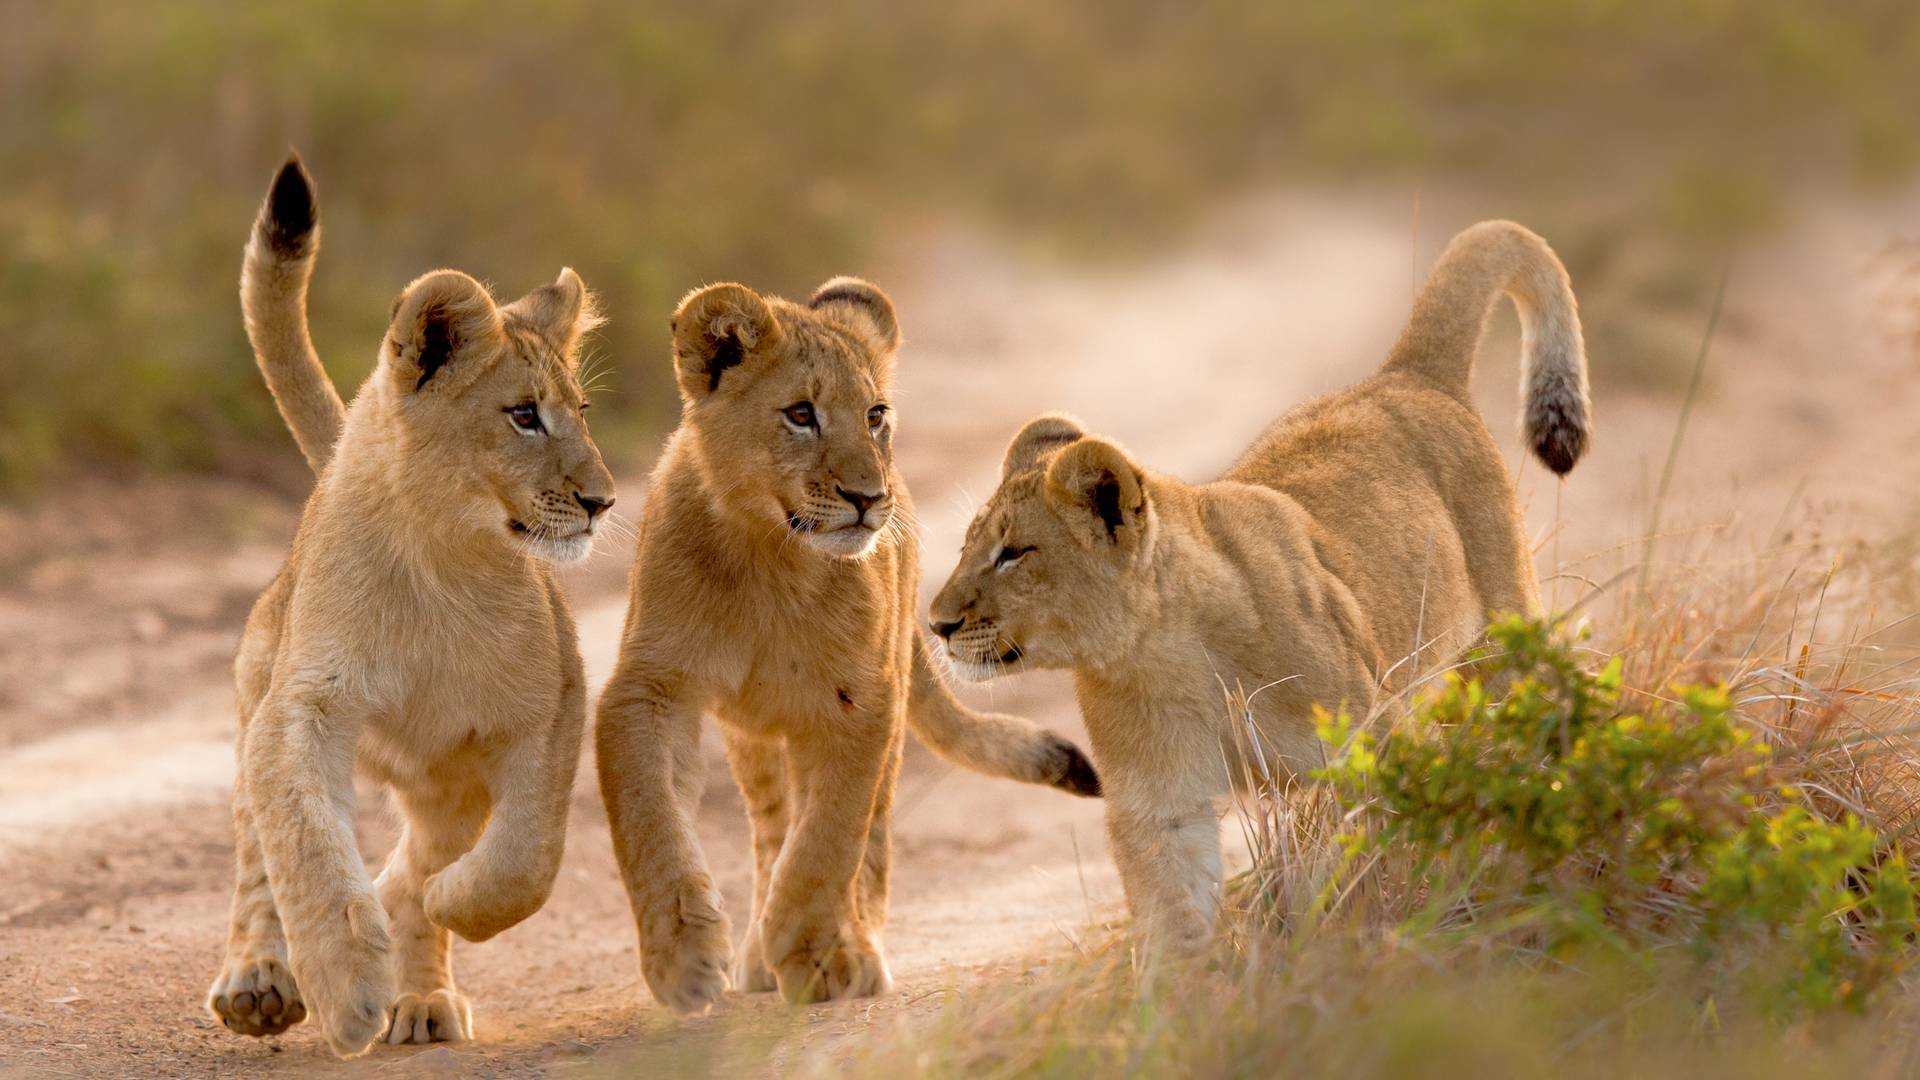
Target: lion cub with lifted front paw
416,630
1374,523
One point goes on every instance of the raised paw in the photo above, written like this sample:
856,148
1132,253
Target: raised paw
440,1016
684,951
475,905
750,971
257,997
827,966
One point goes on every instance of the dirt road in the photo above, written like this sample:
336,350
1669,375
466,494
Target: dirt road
115,850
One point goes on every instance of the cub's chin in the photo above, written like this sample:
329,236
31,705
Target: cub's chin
974,671
979,671
540,540
850,542
562,550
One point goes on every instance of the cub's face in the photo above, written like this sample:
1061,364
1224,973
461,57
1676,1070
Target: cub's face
1049,574
493,416
787,407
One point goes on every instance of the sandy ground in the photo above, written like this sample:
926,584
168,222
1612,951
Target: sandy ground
115,725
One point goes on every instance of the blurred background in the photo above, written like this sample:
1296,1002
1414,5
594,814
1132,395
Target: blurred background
656,146
1176,219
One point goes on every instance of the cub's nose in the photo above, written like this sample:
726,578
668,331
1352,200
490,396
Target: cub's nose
860,500
944,630
592,504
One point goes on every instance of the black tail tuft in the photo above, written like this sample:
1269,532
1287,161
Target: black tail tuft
289,219
1559,450
1075,774
1558,435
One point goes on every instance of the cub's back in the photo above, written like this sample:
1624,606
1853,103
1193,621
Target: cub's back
1400,477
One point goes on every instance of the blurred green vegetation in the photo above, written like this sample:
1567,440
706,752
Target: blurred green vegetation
661,144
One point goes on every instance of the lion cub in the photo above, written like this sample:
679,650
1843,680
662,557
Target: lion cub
774,587
415,630
1368,525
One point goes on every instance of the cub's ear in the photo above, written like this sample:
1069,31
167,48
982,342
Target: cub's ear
1098,480
862,304
1041,436
438,320
716,329
561,313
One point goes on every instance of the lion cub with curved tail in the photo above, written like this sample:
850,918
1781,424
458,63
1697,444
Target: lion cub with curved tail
416,630
775,588
1368,525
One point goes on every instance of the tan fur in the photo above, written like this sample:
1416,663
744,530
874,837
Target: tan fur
415,631
1364,537
763,594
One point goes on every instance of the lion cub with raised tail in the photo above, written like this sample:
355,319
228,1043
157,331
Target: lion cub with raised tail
1371,525
415,630
775,589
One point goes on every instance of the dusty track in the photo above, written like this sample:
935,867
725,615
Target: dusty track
114,844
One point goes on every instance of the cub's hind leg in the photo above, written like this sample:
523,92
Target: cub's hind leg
255,992
1493,534
440,826
759,766
872,886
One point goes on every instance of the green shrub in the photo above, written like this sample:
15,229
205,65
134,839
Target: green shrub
1556,818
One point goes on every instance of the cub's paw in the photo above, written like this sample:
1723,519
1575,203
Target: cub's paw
349,980
750,972
827,965
257,996
1182,930
440,1016
684,951
354,1018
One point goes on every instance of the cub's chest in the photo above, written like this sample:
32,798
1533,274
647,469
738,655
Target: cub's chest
487,661
471,705
824,662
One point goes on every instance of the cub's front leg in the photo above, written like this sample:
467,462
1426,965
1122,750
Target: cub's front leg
1162,824
299,758
1168,854
813,934
759,767
509,873
442,822
647,748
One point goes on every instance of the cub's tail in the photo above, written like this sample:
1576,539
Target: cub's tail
273,299
992,743
1451,311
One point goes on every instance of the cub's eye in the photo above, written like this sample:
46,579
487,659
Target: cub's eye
1007,556
525,416
799,414
876,416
